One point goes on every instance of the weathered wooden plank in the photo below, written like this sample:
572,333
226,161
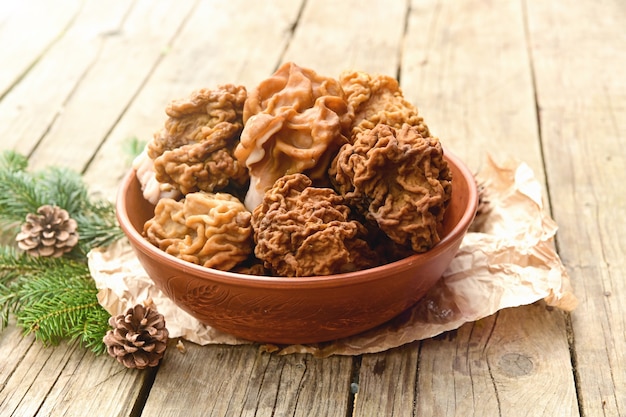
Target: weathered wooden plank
32,379
219,44
31,107
465,65
27,29
453,53
581,92
132,36
91,385
242,381
499,366
125,57
63,380
483,369
331,38
13,345
387,383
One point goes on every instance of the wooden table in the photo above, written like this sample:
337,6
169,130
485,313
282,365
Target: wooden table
541,81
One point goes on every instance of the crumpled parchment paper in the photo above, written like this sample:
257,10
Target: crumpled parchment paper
508,259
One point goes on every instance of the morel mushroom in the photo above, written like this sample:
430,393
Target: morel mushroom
194,150
378,99
303,231
398,179
295,121
207,229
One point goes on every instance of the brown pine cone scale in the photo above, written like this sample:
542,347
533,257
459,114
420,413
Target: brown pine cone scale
138,338
49,232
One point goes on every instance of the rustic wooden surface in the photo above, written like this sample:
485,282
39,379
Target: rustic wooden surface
543,82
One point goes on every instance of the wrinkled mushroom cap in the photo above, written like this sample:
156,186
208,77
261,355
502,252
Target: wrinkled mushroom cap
295,121
303,231
399,179
207,229
378,99
194,149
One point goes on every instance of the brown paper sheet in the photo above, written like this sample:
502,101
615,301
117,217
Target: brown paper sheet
507,260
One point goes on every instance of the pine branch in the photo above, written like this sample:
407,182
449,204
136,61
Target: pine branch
97,225
22,193
13,161
59,303
14,264
18,196
54,320
17,269
54,298
62,187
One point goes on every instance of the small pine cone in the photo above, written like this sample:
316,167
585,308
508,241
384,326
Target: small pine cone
138,338
50,232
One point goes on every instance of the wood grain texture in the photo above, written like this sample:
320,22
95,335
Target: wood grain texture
32,378
90,385
64,380
27,29
242,381
28,111
123,57
331,38
13,345
202,56
387,383
466,66
505,364
581,94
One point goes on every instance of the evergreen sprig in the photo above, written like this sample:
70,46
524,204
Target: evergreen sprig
23,192
53,298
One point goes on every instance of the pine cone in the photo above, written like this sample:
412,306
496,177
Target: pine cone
50,232
138,338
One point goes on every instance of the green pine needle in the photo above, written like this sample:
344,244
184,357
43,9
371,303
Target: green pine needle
133,147
22,192
53,298
66,314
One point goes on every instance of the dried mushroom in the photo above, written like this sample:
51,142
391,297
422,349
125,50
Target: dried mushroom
295,121
152,189
378,99
303,231
207,229
194,149
399,179
283,145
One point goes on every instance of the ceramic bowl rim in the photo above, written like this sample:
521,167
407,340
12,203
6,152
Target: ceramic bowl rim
326,281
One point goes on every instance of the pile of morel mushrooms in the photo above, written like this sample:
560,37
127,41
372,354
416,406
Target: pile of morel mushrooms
305,175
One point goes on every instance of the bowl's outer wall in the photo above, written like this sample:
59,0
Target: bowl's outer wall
298,310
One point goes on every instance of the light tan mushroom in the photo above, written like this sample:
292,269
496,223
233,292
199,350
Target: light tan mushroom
207,229
295,121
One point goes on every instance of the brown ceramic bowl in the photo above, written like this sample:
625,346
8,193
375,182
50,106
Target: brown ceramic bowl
299,310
